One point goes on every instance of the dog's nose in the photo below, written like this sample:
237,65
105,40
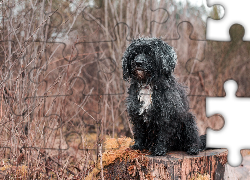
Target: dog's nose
139,60
138,63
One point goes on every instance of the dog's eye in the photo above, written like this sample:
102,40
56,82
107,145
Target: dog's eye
150,54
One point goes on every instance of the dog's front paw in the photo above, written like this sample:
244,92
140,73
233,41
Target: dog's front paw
193,150
158,151
137,146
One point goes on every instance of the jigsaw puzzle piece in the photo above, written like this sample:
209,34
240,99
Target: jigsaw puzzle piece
106,152
100,70
94,23
86,122
160,15
71,153
125,19
56,76
74,116
66,160
234,11
88,67
235,111
241,172
41,56
187,49
178,13
223,61
197,106
41,70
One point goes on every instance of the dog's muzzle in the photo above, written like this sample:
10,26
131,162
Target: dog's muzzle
140,74
139,66
139,60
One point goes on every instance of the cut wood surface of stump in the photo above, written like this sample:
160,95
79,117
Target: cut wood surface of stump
209,164
180,165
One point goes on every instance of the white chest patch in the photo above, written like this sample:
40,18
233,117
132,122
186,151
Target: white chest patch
145,96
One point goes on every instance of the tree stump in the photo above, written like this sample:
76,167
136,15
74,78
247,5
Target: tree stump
175,165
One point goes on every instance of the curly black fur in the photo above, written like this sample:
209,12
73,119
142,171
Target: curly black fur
166,124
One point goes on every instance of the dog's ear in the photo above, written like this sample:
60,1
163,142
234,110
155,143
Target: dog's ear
126,60
167,57
126,65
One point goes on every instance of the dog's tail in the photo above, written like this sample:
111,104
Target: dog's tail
203,139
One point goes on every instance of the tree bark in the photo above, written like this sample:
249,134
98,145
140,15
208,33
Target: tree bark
175,165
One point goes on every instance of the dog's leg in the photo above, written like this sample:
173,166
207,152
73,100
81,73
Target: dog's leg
159,148
190,134
140,135
161,138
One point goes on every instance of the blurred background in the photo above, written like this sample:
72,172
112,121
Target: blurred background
62,92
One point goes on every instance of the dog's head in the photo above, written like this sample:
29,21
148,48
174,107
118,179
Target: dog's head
147,58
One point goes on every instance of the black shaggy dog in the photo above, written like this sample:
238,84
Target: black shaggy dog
157,104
